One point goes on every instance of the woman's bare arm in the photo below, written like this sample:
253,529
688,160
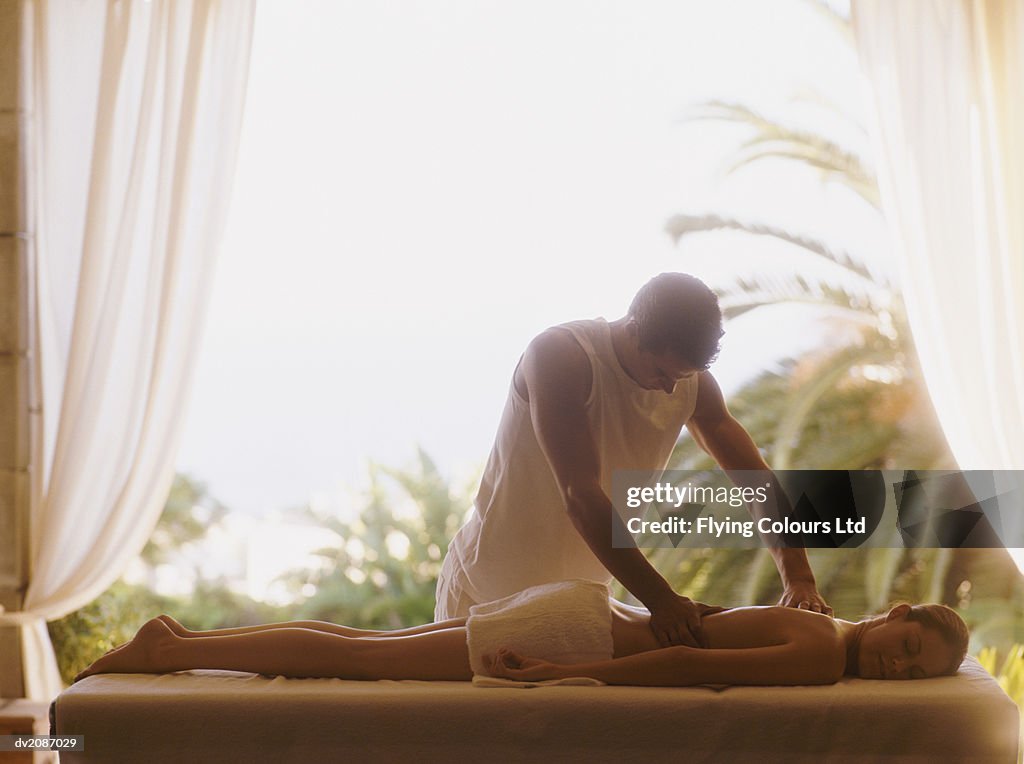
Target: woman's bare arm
784,664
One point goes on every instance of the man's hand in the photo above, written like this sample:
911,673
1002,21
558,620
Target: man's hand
804,596
676,621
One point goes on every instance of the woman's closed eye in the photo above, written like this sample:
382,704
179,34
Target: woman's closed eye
913,645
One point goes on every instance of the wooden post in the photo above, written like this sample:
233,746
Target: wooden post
15,243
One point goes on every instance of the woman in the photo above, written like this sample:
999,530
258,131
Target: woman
570,629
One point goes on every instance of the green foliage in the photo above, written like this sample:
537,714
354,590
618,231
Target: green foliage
1009,673
188,512
213,605
383,572
111,619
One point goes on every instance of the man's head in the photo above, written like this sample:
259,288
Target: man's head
677,314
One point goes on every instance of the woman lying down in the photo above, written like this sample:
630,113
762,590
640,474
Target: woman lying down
569,629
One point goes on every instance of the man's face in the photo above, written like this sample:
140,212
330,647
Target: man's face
662,371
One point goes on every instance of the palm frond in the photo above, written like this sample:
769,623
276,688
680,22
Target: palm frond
826,308
793,422
811,95
729,111
868,431
854,306
773,139
682,225
843,167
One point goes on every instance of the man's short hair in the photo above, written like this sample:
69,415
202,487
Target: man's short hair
677,312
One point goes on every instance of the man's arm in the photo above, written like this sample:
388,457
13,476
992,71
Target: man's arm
717,432
558,378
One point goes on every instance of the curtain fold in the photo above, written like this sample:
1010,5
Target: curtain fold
136,113
947,83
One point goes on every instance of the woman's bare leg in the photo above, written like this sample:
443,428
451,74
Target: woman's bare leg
294,652
324,626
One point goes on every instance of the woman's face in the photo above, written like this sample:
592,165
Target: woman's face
902,649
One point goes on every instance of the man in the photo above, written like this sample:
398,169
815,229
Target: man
588,398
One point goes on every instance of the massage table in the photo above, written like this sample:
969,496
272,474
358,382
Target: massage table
229,716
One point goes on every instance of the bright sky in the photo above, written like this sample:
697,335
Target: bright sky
424,186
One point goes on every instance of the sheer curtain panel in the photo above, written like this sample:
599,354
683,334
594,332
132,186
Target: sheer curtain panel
135,114
947,82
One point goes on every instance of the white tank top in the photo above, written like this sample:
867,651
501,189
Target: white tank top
519,533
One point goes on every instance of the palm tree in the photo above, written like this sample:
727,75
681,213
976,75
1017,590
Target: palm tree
872,364
858,402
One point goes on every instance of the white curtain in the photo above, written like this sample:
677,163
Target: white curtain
947,78
947,81
135,117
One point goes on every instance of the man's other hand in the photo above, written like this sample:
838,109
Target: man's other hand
804,596
676,621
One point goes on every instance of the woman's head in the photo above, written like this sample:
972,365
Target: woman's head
912,642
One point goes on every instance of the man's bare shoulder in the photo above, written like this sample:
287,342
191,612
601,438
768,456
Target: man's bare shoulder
554,357
556,344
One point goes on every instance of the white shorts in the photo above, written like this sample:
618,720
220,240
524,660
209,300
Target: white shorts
451,601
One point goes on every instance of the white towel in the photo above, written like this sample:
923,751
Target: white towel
564,622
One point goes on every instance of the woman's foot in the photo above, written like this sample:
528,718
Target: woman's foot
175,626
172,624
145,654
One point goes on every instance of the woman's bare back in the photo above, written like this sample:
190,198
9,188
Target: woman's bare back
730,629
